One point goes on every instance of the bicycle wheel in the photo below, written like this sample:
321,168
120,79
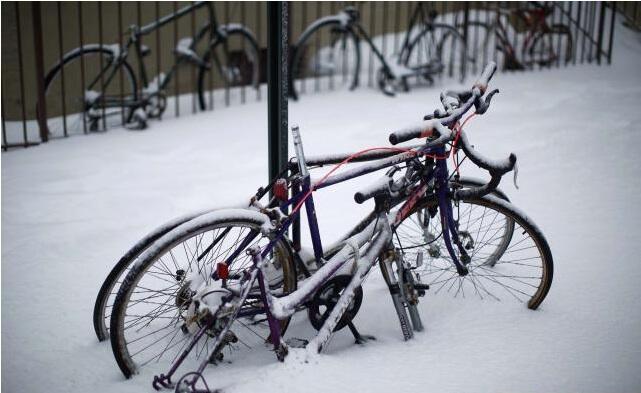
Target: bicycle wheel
554,45
510,258
438,50
151,324
84,92
325,57
107,293
233,63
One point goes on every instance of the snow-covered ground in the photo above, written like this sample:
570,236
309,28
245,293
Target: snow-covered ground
72,207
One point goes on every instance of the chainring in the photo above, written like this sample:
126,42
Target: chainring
326,298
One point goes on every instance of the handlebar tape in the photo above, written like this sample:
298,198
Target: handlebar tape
423,129
379,187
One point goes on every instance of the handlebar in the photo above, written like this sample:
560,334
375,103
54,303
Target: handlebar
384,185
456,104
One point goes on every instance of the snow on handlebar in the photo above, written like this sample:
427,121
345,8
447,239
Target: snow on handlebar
456,104
485,77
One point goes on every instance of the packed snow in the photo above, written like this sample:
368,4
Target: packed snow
71,207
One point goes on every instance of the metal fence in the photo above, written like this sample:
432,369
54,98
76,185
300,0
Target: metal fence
37,36
631,11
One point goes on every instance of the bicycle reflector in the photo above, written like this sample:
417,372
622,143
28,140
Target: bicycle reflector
222,270
280,190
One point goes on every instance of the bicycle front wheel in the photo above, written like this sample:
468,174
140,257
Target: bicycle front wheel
151,322
89,91
509,256
325,57
232,63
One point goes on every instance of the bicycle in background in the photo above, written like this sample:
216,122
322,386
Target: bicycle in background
328,53
543,44
111,94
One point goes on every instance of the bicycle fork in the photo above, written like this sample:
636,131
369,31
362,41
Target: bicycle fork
404,292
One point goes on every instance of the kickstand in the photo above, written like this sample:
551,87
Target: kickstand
360,338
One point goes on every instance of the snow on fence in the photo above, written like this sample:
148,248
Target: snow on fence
169,73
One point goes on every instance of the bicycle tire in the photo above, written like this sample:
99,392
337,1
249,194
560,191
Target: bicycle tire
316,36
109,288
76,122
484,275
243,68
438,37
124,304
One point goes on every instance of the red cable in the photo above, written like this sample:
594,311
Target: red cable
345,161
397,149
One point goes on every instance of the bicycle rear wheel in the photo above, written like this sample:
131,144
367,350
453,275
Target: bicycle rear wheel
84,93
325,57
510,258
151,321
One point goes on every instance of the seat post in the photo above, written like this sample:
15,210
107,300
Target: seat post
300,154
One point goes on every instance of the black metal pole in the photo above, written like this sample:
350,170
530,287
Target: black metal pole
612,20
277,45
40,71
21,79
600,36
466,35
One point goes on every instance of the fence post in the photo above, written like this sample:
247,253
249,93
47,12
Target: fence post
599,42
277,45
466,23
612,21
40,72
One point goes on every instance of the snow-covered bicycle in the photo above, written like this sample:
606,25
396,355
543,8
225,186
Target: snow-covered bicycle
203,289
109,94
328,52
412,231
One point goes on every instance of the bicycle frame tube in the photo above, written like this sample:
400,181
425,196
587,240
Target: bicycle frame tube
418,15
211,27
146,29
283,307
